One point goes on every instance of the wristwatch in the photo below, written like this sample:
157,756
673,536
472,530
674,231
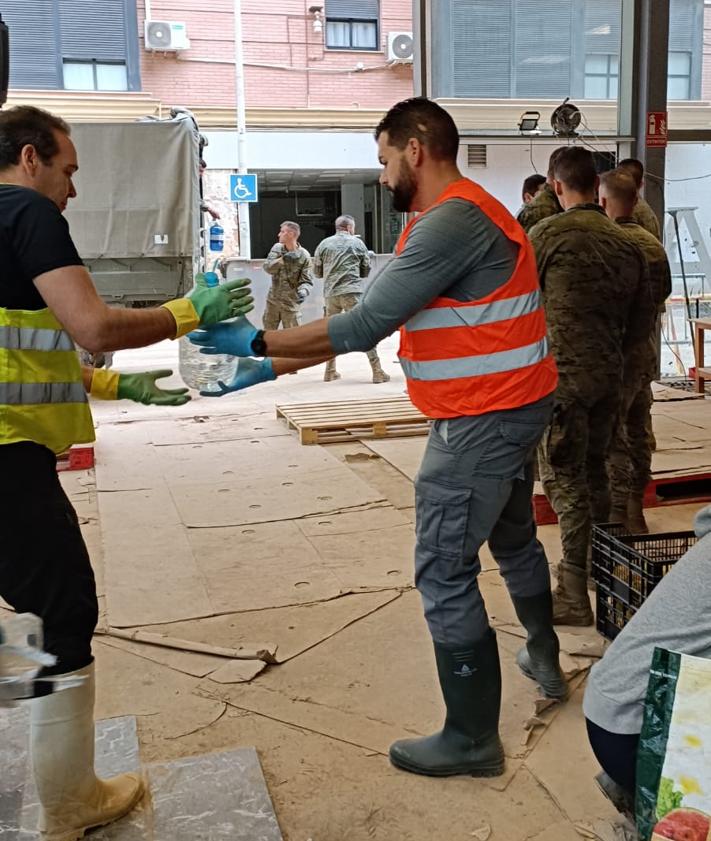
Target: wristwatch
259,346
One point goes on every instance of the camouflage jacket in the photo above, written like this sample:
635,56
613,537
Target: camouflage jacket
644,215
645,363
342,261
596,294
289,270
543,205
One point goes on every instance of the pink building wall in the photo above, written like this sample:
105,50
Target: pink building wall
286,63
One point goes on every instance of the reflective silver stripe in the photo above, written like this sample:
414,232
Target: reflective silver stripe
476,366
34,338
26,394
473,316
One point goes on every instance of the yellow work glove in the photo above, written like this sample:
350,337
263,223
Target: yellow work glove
141,388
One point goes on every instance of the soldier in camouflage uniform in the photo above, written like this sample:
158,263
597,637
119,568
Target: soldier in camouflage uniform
545,203
631,452
643,214
290,267
591,277
343,262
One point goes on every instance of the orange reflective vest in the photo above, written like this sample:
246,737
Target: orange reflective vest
487,355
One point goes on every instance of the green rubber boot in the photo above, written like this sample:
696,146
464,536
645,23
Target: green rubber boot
469,741
538,659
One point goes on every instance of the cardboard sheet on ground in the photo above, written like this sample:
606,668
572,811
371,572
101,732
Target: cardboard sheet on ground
219,669
405,454
150,573
296,629
202,429
379,687
128,684
252,500
559,770
376,472
665,393
271,461
260,566
365,549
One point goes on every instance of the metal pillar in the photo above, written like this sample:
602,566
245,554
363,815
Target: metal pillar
421,33
245,239
651,54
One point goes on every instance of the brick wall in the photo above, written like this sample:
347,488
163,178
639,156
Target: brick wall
286,64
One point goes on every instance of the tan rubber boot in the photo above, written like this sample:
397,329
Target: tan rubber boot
571,603
379,376
330,373
72,798
636,522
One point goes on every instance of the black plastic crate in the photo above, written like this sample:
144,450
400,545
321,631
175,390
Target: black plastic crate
627,567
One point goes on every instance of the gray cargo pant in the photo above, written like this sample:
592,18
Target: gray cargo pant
476,484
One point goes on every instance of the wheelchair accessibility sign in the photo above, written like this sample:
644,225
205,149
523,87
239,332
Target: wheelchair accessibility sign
243,188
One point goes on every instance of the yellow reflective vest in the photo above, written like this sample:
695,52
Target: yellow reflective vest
42,396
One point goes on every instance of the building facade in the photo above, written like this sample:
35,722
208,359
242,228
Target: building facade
319,74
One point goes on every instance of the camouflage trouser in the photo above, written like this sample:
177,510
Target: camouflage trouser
630,457
336,304
279,312
572,466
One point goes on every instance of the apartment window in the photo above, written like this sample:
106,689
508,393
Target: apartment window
352,24
95,76
679,76
602,73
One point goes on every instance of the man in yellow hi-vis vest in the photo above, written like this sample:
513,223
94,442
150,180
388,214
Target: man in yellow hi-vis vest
47,302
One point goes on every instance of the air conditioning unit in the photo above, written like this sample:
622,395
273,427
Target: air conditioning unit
166,36
401,47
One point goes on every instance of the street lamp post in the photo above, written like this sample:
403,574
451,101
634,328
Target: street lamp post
245,245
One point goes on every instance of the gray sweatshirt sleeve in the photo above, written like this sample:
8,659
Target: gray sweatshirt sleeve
445,245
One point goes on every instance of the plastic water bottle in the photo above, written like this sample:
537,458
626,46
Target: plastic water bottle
201,371
217,237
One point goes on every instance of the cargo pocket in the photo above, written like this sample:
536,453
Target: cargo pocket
442,517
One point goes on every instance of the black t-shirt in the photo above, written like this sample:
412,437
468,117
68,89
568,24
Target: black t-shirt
34,239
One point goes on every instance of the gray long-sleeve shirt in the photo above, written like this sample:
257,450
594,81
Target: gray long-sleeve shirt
676,617
453,250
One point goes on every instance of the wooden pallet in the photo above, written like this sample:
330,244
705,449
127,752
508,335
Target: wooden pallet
328,423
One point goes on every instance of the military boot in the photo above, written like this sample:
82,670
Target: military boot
636,522
538,659
469,741
379,376
571,602
330,373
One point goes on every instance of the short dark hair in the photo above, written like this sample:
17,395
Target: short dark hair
424,120
553,158
620,184
533,184
575,167
25,125
293,226
635,169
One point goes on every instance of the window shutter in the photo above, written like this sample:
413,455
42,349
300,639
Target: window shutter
682,25
481,48
602,27
543,48
352,9
93,29
33,46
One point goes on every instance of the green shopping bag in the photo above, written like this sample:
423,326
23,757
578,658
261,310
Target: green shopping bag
674,758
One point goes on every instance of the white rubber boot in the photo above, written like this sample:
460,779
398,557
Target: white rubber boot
72,798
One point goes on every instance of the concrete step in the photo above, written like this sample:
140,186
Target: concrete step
215,796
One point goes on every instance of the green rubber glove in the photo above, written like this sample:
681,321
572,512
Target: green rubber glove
218,303
142,388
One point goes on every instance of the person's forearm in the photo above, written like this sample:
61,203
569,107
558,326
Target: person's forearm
129,328
308,342
287,366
